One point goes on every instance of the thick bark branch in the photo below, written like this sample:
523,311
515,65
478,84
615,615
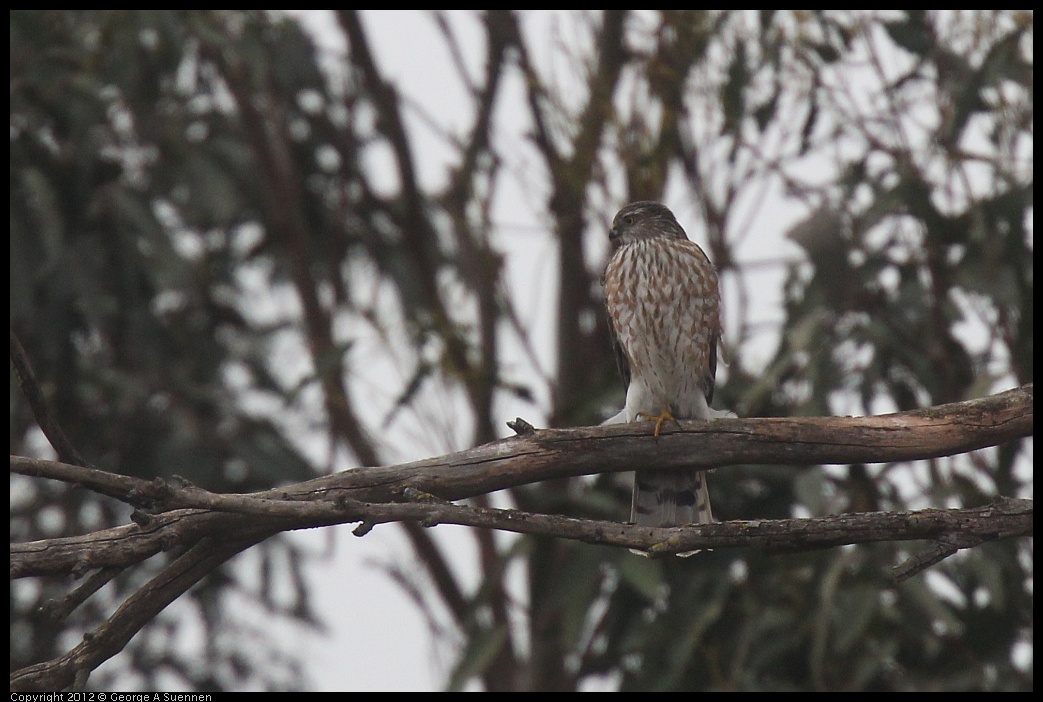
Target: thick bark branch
187,514
547,454
216,527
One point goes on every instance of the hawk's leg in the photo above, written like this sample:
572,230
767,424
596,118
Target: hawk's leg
659,419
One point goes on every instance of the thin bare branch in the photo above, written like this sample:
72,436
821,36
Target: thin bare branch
113,635
48,423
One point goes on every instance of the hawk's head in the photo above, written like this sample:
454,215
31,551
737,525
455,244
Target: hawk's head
644,220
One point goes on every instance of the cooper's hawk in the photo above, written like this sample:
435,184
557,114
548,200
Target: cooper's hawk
663,301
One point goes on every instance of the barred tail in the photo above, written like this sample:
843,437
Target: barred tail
668,498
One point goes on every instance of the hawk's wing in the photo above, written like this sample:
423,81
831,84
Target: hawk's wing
621,357
711,367
622,364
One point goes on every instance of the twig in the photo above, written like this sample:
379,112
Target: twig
951,543
58,609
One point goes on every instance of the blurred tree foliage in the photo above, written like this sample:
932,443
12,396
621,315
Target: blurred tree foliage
216,228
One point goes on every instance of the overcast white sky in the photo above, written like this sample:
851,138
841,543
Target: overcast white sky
378,639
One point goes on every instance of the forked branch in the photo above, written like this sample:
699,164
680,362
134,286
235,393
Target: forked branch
178,515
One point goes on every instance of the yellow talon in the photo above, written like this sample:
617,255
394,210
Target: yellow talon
664,416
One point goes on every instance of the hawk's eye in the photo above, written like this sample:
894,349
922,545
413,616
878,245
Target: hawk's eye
628,220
